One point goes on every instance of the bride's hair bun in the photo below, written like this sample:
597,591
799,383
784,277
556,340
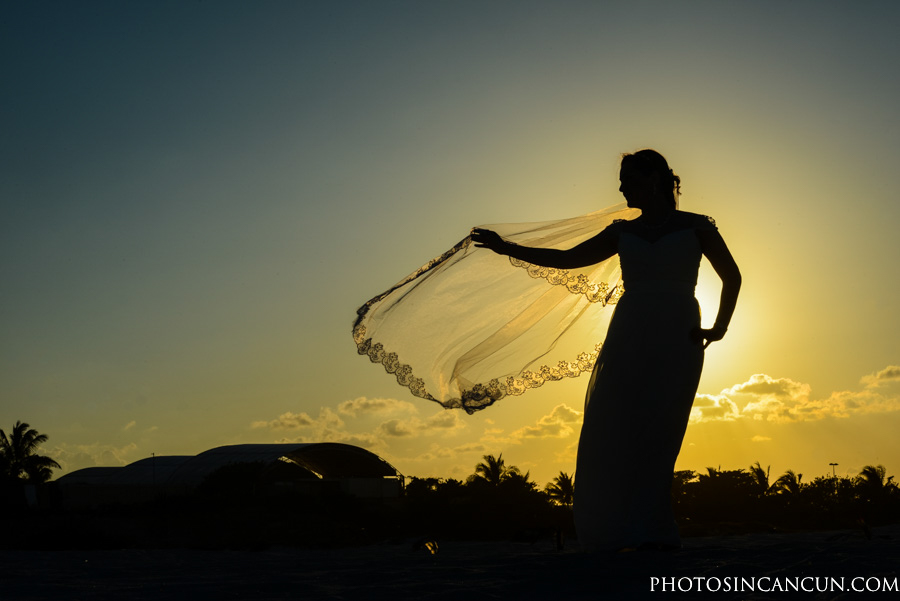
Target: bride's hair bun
650,163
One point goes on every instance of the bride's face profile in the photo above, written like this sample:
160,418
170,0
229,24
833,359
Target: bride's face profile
636,187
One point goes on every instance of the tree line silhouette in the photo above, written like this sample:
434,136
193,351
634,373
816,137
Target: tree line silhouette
715,502
497,501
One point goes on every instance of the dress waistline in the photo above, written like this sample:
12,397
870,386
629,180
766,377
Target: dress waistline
660,286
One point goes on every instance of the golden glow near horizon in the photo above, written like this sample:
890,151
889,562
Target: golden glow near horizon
187,242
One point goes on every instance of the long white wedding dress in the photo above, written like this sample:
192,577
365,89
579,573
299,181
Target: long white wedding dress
640,395
471,327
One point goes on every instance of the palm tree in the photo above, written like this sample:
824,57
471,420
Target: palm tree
711,474
493,470
874,483
760,477
19,458
516,480
562,490
874,476
788,483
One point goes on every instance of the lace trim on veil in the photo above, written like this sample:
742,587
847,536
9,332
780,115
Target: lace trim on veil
470,328
480,395
596,292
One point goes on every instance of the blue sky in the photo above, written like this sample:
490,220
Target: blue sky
196,197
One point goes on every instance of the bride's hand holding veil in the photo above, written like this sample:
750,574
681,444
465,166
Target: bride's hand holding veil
488,239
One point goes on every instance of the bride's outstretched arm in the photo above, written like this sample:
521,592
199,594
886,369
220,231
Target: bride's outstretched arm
599,248
715,249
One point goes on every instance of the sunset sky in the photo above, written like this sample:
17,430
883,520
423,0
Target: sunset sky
195,197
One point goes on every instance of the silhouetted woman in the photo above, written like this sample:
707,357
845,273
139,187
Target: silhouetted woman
645,378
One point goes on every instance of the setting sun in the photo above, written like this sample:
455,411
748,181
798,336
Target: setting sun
188,242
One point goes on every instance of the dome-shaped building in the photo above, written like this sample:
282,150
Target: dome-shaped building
308,468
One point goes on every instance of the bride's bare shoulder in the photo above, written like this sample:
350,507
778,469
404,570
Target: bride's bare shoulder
697,221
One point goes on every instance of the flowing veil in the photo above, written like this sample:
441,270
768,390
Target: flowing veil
471,327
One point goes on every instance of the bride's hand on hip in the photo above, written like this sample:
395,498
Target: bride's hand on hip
487,239
705,337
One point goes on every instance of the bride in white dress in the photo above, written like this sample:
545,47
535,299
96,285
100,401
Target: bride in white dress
645,378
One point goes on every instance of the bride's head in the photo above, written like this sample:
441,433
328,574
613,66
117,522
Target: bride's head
646,178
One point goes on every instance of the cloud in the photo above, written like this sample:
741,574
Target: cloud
845,403
760,438
327,419
286,421
766,386
363,405
129,426
329,426
73,457
888,375
708,408
445,421
768,408
771,399
473,447
361,439
558,424
396,428
841,404
782,400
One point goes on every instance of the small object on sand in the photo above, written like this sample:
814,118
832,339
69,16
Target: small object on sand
865,528
426,544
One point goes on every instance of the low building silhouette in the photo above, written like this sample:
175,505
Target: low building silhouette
309,468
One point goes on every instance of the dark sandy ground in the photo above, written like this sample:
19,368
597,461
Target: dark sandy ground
459,570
